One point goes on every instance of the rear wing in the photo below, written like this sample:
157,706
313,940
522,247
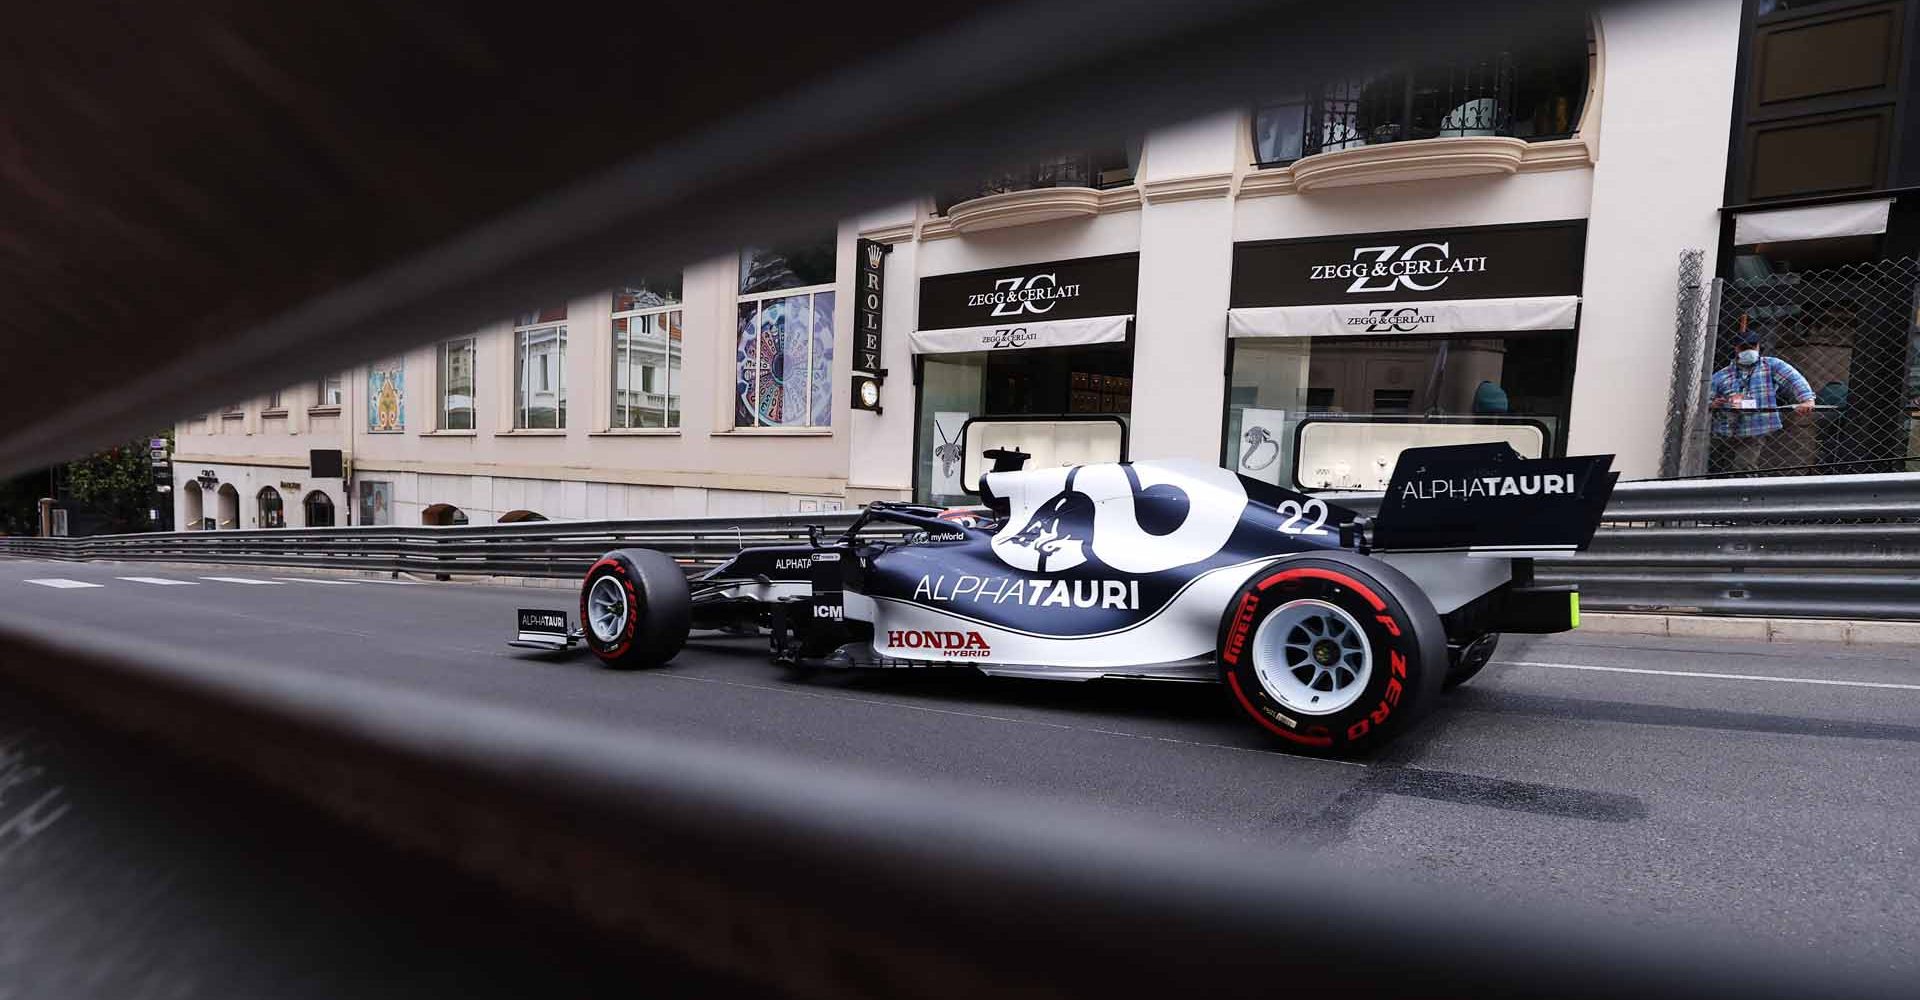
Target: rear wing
1486,498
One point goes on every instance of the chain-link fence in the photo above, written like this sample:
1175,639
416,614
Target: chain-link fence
1795,373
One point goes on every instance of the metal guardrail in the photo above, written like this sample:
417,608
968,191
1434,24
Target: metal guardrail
555,549
1834,546
1808,547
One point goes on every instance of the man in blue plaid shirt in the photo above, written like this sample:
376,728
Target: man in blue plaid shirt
1746,402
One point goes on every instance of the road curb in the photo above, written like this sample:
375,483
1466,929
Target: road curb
1849,632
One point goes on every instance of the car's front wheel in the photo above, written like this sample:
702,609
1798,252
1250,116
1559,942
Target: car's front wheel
635,608
1332,653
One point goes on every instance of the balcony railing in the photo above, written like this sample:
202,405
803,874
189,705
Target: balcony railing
1081,170
1479,96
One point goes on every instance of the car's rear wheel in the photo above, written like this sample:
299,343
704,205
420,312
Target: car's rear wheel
1332,653
635,608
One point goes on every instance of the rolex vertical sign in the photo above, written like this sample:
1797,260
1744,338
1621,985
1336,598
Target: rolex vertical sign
872,268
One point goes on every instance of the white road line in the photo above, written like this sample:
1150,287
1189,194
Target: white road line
242,579
60,584
158,581
393,583
315,579
1821,681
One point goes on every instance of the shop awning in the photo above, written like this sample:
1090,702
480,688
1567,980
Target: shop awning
1021,334
1542,312
1815,222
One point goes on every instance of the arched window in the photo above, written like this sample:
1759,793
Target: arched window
515,516
192,506
273,513
319,509
443,514
226,507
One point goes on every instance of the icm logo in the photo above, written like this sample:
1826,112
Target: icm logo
1034,294
831,611
1406,319
1422,267
957,644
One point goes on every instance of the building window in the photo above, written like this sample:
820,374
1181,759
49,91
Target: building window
783,358
646,355
273,512
456,384
274,400
376,502
540,369
1401,390
1526,90
329,391
319,509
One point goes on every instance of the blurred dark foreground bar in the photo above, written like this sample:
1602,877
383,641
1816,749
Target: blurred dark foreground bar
822,884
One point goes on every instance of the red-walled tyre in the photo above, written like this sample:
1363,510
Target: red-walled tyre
635,608
1332,654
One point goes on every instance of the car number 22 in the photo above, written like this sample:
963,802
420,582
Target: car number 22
1297,515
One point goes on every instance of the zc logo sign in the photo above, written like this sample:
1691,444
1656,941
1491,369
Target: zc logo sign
1035,293
1406,319
1422,267
1008,336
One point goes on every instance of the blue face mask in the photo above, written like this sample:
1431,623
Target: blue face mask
1749,357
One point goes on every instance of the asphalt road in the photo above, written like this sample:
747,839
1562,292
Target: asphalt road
1767,792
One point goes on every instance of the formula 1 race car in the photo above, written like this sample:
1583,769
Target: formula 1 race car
1331,630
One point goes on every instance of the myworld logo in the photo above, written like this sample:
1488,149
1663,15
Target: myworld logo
1422,267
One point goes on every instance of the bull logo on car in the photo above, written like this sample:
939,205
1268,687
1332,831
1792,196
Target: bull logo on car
1052,538
1135,519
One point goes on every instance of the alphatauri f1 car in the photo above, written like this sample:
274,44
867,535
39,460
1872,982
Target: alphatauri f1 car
1330,630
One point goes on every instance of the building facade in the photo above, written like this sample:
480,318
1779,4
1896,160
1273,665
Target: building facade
1484,248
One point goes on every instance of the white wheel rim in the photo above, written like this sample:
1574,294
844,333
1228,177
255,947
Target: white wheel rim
1312,657
607,609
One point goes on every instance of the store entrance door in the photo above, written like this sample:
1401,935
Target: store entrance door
1088,379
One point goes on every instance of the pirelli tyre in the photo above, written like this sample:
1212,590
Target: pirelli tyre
635,608
1332,653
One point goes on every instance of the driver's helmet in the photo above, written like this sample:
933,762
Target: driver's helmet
967,517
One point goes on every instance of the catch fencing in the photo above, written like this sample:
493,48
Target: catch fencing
1838,390
1829,546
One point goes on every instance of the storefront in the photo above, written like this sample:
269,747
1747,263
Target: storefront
1346,350
1037,339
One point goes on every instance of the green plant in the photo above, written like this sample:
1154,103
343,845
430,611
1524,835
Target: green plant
117,483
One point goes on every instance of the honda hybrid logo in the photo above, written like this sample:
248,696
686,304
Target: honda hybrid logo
1422,267
955,644
1406,319
1035,293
